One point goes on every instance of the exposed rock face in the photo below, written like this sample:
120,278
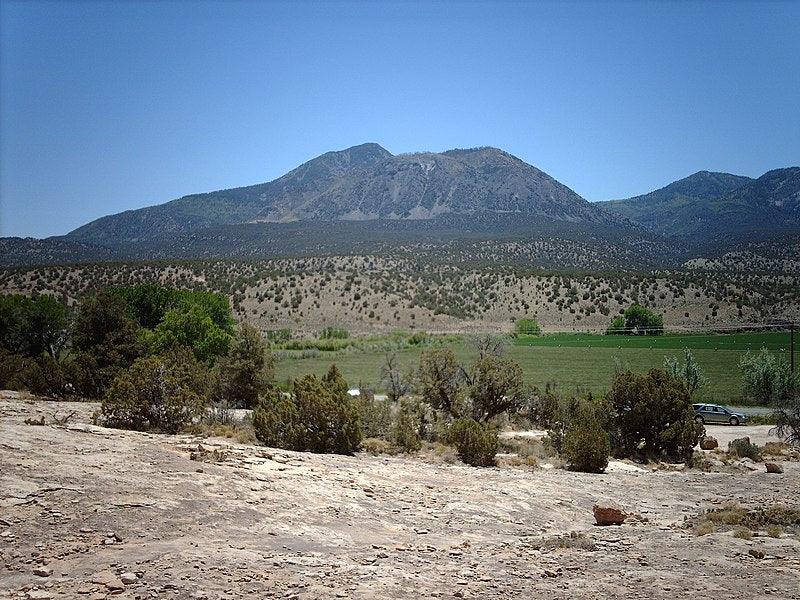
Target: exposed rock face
608,513
709,443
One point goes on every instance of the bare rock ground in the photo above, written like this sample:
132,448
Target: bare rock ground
89,512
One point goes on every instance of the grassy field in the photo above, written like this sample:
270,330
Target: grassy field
574,362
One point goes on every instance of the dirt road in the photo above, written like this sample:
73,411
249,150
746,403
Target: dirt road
88,512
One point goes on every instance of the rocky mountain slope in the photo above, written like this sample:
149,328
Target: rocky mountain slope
364,183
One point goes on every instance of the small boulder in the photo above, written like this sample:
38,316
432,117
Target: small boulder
608,513
43,571
755,553
709,443
773,467
128,578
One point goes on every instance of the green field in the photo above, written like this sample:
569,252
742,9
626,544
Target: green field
574,362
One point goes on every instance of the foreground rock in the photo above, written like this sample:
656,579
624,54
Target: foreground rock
608,513
773,467
267,524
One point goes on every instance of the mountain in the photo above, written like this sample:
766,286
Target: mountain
712,206
364,182
664,210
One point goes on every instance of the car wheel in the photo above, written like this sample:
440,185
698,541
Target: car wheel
734,421
699,419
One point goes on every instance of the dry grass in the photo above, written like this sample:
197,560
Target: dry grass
774,519
377,446
242,434
774,531
704,528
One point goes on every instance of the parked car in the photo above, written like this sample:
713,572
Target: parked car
714,413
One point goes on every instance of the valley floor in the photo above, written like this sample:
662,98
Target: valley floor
97,511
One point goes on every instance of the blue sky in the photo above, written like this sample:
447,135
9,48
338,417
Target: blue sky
110,106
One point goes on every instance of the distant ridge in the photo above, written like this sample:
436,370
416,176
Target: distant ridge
708,204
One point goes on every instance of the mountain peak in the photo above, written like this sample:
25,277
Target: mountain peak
366,182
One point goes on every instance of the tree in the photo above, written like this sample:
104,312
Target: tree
405,431
617,326
643,321
767,379
691,373
637,320
31,326
527,327
489,344
275,420
398,382
106,341
147,303
246,373
495,386
158,392
787,413
440,379
193,327
652,416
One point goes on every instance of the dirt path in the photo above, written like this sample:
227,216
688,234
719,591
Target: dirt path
100,509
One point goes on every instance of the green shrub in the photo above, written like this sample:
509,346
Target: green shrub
527,327
318,416
743,448
617,326
193,327
405,431
163,393
586,444
32,326
496,385
476,442
246,373
652,417
105,341
542,408
279,336
637,320
45,376
440,379
11,367
275,420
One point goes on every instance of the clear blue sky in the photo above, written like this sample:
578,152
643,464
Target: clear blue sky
111,106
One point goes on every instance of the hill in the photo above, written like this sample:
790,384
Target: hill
708,207
364,182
